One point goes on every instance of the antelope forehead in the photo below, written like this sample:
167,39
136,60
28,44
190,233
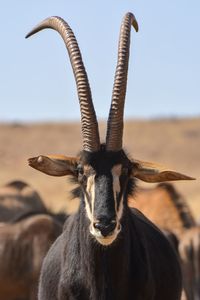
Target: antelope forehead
116,171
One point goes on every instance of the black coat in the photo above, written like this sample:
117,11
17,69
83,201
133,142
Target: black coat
139,265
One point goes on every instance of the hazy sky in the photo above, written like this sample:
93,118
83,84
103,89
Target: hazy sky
36,80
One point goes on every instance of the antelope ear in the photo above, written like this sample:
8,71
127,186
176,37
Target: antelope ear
151,172
54,165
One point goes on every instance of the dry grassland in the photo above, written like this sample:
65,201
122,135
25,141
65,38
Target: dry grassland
173,142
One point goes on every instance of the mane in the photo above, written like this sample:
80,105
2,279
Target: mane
181,205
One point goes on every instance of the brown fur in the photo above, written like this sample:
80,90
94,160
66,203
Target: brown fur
165,207
23,246
189,251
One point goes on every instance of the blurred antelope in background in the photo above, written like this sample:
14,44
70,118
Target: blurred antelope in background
168,209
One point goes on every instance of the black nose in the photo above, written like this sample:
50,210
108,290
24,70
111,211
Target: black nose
105,227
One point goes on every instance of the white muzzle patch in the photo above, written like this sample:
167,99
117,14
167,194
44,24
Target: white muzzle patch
105,241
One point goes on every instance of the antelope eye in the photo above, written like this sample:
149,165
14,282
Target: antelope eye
80,170
125,171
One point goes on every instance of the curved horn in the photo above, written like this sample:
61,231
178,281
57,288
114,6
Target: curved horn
115,120
90,131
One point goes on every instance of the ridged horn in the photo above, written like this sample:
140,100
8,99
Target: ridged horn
115,121
90,131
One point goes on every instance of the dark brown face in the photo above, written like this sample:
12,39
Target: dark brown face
104,177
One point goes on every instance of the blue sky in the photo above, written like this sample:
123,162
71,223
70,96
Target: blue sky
37,83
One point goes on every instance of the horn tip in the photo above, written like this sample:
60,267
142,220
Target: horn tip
30,33
133,21
27,35
135,24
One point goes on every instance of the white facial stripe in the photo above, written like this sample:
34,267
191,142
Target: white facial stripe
116,172
120,210
90,191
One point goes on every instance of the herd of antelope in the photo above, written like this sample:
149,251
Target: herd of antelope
124,242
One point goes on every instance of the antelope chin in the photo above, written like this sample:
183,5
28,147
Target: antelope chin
105,241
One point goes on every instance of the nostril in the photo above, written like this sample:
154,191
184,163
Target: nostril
105,228
97,225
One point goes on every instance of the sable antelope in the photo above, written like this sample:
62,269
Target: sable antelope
23,246
106,250
167,208
189,251
19,198
27,230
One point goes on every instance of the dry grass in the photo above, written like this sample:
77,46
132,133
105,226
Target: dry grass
173,142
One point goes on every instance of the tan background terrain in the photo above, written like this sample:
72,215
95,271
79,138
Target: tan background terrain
173,142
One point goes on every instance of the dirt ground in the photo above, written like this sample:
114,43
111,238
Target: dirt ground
172,142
